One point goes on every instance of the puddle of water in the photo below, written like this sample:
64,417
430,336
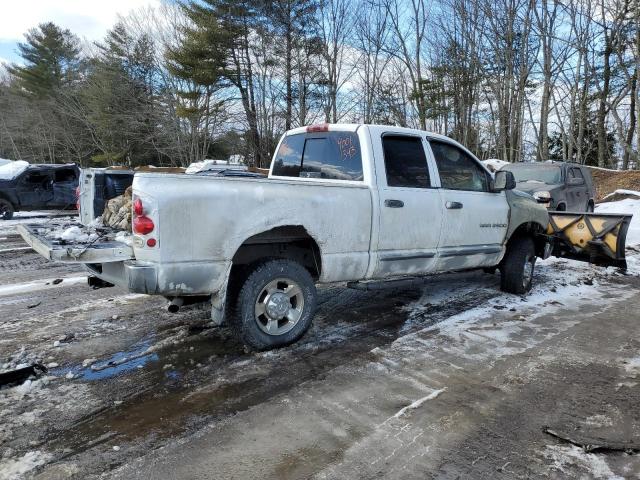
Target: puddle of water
118,364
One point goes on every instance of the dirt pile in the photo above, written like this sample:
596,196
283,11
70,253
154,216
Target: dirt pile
608,181
117,213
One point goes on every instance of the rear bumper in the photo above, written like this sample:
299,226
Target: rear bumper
176,279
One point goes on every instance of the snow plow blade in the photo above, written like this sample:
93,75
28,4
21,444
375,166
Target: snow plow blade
103,251
597,238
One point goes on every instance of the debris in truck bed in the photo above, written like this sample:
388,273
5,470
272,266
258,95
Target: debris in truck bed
117,213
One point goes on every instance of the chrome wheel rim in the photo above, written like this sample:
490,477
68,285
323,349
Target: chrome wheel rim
279,306
527,276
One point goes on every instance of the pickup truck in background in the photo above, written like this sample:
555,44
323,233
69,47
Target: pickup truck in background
341,203
560,186
25,187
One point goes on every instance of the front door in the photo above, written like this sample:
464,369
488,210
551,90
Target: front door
410,207
577,196
34,188
475,219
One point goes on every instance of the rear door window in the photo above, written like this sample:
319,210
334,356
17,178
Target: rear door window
325,155
405,161
65,175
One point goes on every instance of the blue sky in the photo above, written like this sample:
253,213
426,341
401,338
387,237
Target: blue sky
89,19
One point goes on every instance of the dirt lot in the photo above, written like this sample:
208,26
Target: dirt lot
451,379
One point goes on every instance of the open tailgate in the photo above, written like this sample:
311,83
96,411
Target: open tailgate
599,238
100,251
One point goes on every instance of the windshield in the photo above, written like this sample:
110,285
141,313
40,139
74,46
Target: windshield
548,174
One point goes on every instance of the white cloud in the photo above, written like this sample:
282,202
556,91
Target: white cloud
89,19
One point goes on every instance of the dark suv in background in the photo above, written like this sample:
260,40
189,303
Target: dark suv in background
557,185
39,187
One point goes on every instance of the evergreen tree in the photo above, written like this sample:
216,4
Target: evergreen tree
51,58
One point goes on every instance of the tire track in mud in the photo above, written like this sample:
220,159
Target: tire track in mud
241,381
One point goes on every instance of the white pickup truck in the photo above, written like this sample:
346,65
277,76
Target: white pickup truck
341,203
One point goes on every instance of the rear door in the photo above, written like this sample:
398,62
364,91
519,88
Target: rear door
475,219
65,182
410,208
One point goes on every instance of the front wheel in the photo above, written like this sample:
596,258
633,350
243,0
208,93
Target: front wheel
275,305
6,209
518,265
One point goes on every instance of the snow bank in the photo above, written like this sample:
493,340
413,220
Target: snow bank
628,205
11,170
623,192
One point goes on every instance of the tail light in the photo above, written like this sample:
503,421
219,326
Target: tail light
78,197
141,223
138,208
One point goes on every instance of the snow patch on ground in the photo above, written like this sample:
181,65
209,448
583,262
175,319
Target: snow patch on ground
629,206
418,402
20,288
622,191
17,468
564,457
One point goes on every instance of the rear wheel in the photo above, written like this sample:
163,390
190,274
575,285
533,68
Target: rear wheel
6,209
518,266
275,305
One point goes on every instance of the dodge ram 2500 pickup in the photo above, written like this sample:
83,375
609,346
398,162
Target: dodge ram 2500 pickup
341,203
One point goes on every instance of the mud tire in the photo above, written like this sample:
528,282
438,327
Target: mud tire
6,209
243,321
515,278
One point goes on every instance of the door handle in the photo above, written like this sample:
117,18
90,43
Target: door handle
394,203
453,205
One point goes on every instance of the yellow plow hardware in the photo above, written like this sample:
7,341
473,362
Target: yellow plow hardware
598,238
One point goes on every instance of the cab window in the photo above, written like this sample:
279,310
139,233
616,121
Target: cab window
458,170
325,155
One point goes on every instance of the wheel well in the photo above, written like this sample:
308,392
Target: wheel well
533,230
4,197
291,242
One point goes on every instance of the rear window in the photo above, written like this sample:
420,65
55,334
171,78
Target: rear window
326,155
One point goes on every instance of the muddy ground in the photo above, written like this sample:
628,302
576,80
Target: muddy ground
447,379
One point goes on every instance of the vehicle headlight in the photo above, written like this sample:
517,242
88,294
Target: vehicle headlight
542,196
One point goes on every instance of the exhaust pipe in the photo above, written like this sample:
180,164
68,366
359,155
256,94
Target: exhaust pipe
175,304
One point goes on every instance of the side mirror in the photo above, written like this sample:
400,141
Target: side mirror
503,180
574,182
